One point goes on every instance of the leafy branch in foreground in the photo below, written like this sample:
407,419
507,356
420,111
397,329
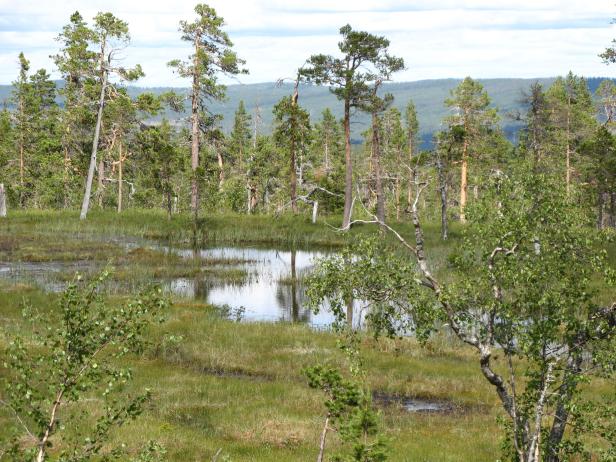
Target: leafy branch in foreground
524,287
70,358
349,408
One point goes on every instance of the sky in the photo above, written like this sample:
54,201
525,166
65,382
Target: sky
436,38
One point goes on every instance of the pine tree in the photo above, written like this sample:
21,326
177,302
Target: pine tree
77,65
572,115
364,55
472,113
241,135
110,33
213,55
292,135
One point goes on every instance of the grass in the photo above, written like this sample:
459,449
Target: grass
286,231
239,386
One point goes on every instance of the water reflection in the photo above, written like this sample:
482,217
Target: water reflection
273,289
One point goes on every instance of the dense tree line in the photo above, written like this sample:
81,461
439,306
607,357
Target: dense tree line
88,140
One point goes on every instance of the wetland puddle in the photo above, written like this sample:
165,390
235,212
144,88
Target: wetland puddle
253,284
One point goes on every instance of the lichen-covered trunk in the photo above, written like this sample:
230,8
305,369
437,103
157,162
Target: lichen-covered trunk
348,185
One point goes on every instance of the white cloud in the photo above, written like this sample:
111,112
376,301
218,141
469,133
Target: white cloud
437,38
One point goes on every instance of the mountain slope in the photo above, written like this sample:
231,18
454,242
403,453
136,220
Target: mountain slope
428,96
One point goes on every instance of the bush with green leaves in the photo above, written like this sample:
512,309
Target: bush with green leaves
349,407
530,284
69,360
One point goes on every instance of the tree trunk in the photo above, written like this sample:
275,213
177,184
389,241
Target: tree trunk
66,177
411,175
293,146
348,185
397,198
568,151
97,131
120,165
194,146
315,210
326,153
463,180
600,210
442,179
101,184
321,455
376,162
21,155
169,205
2,201
221,166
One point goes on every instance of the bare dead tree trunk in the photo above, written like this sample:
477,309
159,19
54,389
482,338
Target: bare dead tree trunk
2,201
348,186
97,131
315,210
321,455
101,182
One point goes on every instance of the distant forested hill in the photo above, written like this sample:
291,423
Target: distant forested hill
428,96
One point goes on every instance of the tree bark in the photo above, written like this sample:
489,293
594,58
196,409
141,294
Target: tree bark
194,146
442,179
67,163
293,146
315,210
376,163
321,455
463,180
21,154
221,166
568,150
348,186
101,184
97,131
411,174
120,165
2,201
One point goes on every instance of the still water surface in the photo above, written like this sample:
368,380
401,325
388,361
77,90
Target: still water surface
273,290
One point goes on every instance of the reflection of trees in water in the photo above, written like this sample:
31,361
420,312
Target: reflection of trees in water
290,295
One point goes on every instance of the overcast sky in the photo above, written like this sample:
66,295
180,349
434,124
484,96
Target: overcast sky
436,38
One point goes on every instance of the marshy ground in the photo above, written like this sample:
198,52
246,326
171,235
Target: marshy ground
239,386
